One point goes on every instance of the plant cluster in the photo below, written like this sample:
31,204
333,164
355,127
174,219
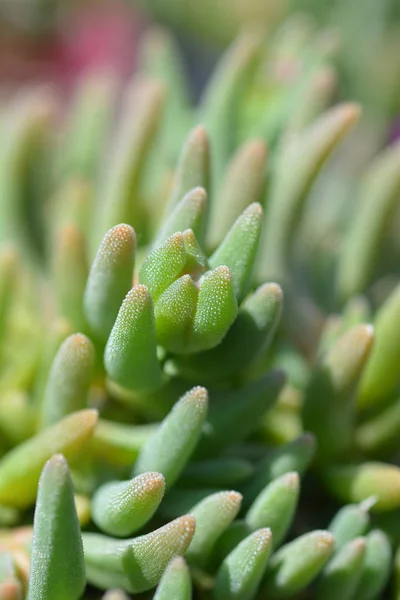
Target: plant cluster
199,337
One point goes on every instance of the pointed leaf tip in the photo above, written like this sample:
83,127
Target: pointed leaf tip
240,573
175,582
216,309
213,516
110,279
131,353
239,248
171,446
69,379
121,508
57,562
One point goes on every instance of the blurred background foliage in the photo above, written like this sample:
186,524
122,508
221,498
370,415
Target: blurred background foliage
366,34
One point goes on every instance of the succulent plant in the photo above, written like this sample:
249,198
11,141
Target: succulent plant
199,363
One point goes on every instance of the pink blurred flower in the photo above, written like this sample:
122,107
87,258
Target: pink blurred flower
96,35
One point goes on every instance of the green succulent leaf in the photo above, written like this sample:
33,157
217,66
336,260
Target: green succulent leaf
275,506
242,185
175,582
69,380
356,483
298,563
57,564
188,213
120,508
213,515
341,577
329,400
241,572
130,356
376,566
110,279
350,522
136,565
171,446
20,469
193,168
239,248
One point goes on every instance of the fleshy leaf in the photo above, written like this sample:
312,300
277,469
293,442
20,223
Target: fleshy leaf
174,314
20,468
193,168
110,279
70,376
242,185
175,582
302,155
249,335
130,356
275,506
381,374
171,446
163,265
57,563
295,456
189,213
349,522
341,577
136,565
217,106
298,563
213,515
329,400
239,248
120,508
70,271
379,196
234,415
376,566
120,199
356,483
216,309
242,570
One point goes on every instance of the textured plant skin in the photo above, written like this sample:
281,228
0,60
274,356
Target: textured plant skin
130,356
178,319
179,432
136,565
213,515
293,457
110,279
175,583
297,563
57,564
242,571
121,508
276,505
